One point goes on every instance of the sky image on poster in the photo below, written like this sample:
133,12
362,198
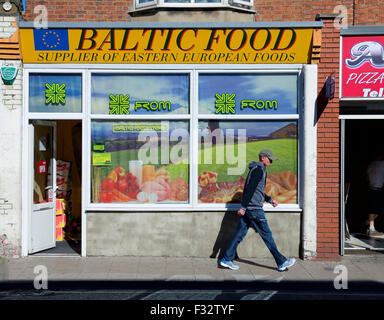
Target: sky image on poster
256,94
144,94
55,93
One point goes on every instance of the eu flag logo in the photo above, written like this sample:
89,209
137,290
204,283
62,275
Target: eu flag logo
51,39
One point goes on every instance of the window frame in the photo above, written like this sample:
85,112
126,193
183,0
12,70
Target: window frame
237,4
132,117
193,117
234,117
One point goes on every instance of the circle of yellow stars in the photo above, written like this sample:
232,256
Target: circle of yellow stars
54,34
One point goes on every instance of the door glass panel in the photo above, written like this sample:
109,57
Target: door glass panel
43,154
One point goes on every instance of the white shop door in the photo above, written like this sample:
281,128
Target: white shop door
43,184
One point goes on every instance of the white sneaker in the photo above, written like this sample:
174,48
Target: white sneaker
287,264
229,264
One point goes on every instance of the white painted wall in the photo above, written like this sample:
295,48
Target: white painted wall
10,159
309,241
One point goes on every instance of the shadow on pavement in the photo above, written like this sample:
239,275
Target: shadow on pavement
191,290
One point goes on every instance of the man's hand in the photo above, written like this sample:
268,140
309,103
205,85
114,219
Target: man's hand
241,212
274,203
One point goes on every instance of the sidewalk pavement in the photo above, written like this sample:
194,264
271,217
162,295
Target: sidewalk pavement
76,268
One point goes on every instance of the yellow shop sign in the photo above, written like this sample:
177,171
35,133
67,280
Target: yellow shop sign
167,45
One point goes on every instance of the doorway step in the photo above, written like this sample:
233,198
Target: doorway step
67,247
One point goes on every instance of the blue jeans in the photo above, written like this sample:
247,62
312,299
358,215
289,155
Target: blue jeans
257,219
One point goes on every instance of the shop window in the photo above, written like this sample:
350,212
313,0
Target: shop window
55,93
140,94
227,147
187,138
145,3
140,161
251,94
192,1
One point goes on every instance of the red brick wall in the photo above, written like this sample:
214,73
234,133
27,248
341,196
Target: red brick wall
360,12
295,10
84,10
328,181
367,12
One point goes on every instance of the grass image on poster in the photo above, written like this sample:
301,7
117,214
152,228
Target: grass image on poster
226,149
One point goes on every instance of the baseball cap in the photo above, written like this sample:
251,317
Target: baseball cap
267,153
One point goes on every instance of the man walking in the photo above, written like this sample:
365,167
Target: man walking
252,213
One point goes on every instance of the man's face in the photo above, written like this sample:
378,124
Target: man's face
266,161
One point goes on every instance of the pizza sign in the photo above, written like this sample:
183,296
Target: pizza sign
363,67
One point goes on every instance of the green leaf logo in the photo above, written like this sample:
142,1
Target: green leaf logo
55,93
225,103
118,104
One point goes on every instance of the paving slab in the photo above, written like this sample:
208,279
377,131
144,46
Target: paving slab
359,268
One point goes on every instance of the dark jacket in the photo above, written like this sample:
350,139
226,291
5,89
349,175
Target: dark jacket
254,188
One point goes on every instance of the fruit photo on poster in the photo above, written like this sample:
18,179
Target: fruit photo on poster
147,166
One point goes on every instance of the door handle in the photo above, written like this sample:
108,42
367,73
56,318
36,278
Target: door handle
50,187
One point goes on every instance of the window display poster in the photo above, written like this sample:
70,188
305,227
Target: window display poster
254,94
227,147
143,94
149,160
55,93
